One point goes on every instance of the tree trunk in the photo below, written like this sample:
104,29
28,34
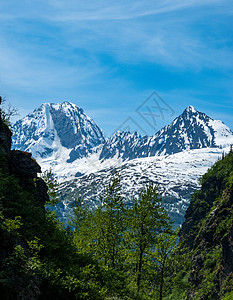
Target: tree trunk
162,281
139,269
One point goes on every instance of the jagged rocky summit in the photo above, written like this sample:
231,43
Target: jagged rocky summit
191,130
63,134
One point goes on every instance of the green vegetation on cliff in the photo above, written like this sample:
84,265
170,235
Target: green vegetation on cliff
208,232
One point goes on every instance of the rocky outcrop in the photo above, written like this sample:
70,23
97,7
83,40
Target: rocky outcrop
22,164
42,190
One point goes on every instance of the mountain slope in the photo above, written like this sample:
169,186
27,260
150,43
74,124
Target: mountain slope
177,176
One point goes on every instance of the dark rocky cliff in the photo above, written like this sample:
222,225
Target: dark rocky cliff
208,232
20,163
18,178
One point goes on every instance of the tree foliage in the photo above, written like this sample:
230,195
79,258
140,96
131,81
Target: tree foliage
147,219
53,185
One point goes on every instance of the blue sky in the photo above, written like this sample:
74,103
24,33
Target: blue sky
109,56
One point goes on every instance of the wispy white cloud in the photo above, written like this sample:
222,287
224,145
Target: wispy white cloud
170,42
120,10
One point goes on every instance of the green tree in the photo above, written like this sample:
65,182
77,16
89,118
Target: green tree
146,220
81,223
79,214
7,112
52,185
167,265
109,222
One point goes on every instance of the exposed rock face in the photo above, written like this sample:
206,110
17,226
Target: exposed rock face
23,164
42,190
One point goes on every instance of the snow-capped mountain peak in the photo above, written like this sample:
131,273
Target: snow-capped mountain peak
57,127
190,109
193,130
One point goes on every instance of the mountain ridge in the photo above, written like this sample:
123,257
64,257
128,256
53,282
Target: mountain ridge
63,133
191,130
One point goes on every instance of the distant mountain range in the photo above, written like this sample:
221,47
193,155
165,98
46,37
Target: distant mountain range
63,137
191,130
